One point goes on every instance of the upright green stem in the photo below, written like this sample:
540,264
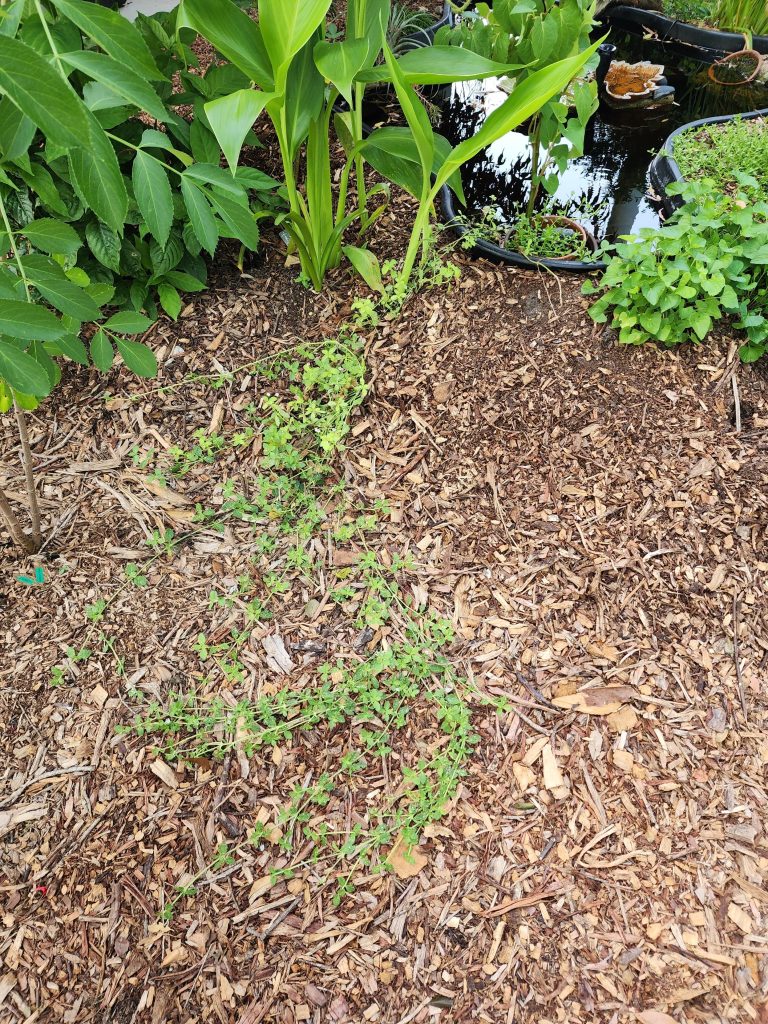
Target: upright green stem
49,37
14,249
357,116
535,176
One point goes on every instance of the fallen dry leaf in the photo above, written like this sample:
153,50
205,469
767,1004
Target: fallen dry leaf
406,863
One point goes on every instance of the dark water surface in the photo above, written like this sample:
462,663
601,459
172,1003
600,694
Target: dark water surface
606,189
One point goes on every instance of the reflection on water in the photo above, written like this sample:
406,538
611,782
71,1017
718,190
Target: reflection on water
607,188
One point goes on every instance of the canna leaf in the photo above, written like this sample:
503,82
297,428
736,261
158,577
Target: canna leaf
232,117
236,36
286,27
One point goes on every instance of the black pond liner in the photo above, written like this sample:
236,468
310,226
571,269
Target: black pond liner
498,254
665,170
709,43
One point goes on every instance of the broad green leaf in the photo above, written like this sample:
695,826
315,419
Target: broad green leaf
41,94
340,63
232,117
97,178
287,26
201,218
118,37
71,346
104,243
440,65
137,357
10,17
392,151
417,118
120,79
28,322
153,195
22,371
128,322
238,219
367,266
52,236
170,299
16,131
236,36
56,288
102,353
304,97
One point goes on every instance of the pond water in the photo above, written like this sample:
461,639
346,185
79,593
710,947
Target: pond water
607,188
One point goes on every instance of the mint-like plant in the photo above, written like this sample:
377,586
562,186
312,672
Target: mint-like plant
710,260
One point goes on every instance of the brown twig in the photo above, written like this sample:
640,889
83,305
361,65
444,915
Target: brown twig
736,659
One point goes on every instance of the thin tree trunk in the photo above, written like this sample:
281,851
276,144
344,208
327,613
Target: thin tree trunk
29,477
14,526
30,542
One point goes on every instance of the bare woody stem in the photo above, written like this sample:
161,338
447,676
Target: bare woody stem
30,542
14,526
29,477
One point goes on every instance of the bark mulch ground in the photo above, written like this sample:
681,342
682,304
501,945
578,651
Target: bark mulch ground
594,524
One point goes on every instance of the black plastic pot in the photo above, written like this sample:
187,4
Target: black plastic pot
498,254
426,36
709,43
665,170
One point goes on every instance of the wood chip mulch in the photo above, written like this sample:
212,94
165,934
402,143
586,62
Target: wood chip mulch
593,522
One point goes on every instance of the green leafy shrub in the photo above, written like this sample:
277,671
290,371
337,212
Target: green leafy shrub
709,261
108,198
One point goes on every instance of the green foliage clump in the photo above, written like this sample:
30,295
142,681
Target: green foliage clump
724,149
749,16
709,261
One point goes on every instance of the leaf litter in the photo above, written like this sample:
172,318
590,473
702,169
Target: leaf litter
594,528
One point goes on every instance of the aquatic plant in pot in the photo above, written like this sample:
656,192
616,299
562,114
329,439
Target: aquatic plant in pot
536,34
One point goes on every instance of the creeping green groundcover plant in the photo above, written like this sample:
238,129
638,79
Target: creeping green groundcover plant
297,76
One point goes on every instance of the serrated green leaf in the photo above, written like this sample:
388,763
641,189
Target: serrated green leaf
153,195
104,243
128,322
201,218
240,221
52,236
114,34
102,353
71,346
137,357
122,80
97,178
22,372
41,94
28,322
54,285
